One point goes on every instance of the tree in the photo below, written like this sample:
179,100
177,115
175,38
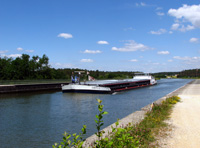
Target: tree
5,68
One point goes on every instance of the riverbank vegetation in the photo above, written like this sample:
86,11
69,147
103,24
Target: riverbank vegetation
35,67
38,68
140,135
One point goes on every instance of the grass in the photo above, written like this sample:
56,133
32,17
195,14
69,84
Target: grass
144,133
141,135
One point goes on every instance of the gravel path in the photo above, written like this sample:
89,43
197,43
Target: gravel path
185,120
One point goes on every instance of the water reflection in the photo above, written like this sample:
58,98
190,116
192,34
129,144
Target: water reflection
39,119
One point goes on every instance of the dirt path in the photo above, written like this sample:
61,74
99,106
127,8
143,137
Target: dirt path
185,120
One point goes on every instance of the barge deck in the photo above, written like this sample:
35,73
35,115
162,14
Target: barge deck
120,85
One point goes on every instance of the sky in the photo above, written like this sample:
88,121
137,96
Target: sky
109,35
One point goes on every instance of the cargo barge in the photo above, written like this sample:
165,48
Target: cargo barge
21,88
109,86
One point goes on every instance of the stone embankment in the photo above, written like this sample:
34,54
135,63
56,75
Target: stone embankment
137,116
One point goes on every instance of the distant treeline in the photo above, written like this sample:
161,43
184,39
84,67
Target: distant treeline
30,68
66,74
165,74
191,73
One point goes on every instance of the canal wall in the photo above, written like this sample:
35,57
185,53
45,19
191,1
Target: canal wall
135,117
29,87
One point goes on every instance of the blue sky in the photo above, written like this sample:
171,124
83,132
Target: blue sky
109,35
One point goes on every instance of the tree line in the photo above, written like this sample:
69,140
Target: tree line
25,67
190,73
35,67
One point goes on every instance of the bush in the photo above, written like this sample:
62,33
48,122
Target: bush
139,135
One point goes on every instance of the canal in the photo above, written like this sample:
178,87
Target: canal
39,119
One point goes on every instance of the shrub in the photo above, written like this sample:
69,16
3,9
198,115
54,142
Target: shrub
139,135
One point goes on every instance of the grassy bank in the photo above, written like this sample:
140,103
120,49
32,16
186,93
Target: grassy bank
140,135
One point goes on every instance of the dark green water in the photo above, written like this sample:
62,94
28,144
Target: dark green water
32,120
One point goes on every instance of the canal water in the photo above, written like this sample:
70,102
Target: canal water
32,120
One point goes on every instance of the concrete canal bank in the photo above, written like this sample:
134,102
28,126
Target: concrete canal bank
29,87
137,116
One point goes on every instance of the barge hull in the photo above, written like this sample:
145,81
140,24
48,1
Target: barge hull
86,91
30,87
116,87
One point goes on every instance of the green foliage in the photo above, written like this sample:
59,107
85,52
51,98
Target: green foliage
99,121
164,74
77,140
27,68
134,136
142,134
172,100
35,67
120,137
190,73
23,67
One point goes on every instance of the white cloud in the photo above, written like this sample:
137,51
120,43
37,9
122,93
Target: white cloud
143,4
186,14
87,60
92,51
175,26
182,27
160,13
19,49
129,28
65,35
140,4
102,42
180,58
186,58
194,40
131,46
3,51
14,55
163,52
159,32
29,50
159,8
187,28
62,65
189,62
156,63
58,64
2,54
134,60
170,60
